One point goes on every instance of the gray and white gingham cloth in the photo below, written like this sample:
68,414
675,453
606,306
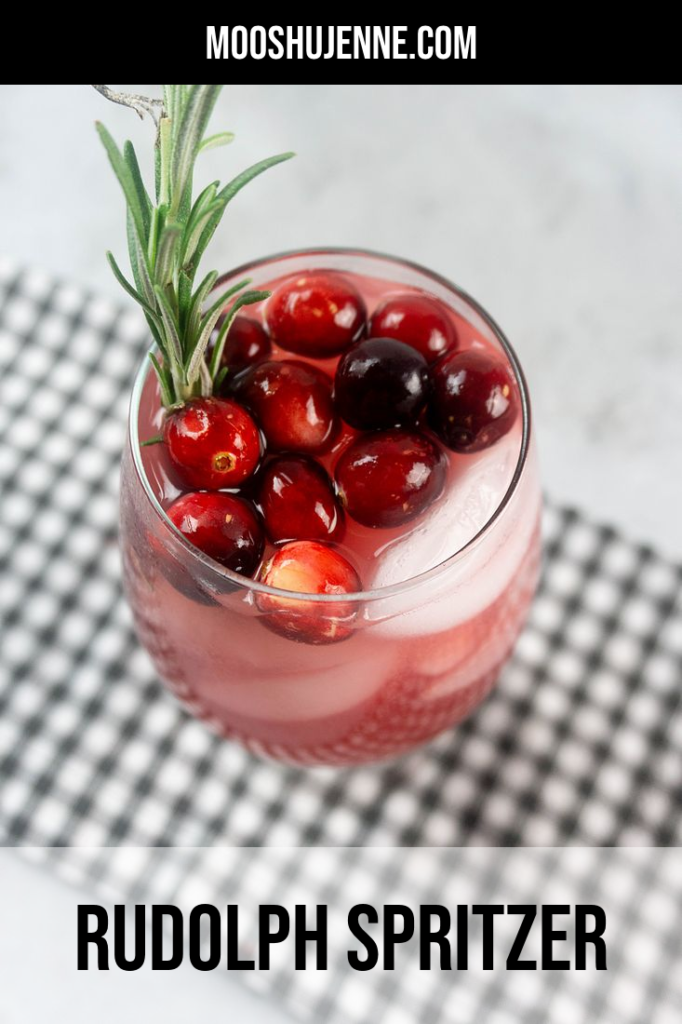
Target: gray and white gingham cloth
581,744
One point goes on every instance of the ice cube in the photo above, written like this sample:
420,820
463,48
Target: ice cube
293,696
471,583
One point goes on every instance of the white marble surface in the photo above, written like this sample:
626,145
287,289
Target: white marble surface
559,208
41,982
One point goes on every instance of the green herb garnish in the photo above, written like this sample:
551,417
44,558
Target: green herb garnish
167,238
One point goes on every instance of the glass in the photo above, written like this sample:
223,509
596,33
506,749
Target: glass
422,653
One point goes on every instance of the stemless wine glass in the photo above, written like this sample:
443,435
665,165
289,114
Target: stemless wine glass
417,657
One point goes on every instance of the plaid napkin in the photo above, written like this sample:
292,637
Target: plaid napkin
580,744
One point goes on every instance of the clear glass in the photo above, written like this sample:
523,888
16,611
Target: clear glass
422,653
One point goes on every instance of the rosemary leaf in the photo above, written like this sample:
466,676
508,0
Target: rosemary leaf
138,263
126,285
195,117
198,299
247,299
165,384
166,256
130,157
219,303
213,141
174,347
125,178
230,190
196,360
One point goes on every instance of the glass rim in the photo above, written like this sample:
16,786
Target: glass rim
253,586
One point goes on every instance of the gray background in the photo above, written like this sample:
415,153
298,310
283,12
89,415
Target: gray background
559,208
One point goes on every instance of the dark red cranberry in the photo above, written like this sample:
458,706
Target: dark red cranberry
307,567
418,321
381,383
247,343
182,577
292,402
316,314
387,479
474,400
298,501
213,443
224,527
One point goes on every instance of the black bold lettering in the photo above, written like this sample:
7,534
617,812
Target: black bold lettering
139,938
86,935
392,913
303,935
356,929
213,924
462,937
550,935
594,935
161,911
514,963
434,932
266,935
488,915
233,961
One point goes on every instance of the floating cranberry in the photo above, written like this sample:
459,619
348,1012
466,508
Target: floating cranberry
381,383
292,402
224,527
387,479
247,343
417,320
298,501
316,314
307,567
474,400
213,443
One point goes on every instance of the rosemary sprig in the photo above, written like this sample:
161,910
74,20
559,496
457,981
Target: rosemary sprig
167,237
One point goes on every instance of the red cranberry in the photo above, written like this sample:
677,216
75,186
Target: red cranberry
247,343
307,567
213,443
316,314
474,400
292,401
298,501
381,383
387,479
224,527
418,321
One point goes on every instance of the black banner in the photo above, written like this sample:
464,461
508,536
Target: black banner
560,45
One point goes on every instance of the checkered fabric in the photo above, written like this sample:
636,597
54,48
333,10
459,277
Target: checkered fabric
581,744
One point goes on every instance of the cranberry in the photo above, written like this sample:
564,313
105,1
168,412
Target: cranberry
247,343
474,400
387,479
298,501
381,383
213,443
418,321
307,567
317,314
292,401
224,527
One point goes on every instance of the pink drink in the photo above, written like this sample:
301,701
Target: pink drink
444,600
